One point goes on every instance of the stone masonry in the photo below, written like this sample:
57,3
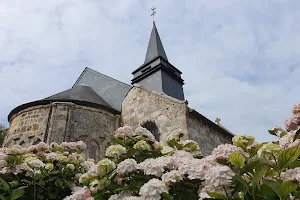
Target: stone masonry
142,105
169,114
206,133
64,121
27,126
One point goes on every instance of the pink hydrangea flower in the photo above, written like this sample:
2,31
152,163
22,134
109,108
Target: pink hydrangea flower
296,108
293,122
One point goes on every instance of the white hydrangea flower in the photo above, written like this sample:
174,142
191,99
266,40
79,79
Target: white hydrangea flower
94,185
36,163
176,135
127,166
123,132
144,134
268,149
142,145
115,151
295,143
223,150
120,196
103,183
105,165
2,164
80,145
15,150
2,156
182,154
52,156
195,168
167,150
151,166
172,177
287,140
153,189
64,145
53,145
134,198
203,195
85,178
72,157
292,175
80,194
88,165
218,179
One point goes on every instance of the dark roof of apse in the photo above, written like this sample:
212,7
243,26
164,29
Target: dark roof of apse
155,47
91,89
80,93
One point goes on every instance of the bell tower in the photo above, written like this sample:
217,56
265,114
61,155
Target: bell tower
157,73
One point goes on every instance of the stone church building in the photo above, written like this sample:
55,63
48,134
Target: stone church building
97,105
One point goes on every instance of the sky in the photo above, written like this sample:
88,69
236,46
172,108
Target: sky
239,59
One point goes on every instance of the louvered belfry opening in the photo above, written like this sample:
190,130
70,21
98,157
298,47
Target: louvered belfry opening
151,126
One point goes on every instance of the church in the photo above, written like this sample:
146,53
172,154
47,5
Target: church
96,105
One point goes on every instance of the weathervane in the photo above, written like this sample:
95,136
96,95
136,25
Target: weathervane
153,12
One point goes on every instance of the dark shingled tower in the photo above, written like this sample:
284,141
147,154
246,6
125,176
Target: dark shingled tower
157,73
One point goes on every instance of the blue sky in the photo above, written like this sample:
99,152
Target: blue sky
240,59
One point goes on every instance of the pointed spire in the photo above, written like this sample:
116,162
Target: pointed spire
155,47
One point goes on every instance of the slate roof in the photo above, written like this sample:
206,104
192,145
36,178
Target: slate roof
155,47
80,93
112,91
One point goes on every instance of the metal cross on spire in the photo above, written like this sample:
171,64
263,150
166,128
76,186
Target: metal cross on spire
153,12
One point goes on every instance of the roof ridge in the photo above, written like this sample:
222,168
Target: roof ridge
79,76
108,76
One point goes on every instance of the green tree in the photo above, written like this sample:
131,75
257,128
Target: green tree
2,133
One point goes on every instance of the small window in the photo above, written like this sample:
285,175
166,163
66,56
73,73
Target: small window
151,126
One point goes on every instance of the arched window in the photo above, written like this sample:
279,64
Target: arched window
151,126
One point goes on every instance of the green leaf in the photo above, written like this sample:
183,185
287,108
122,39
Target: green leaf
174,143
244,186
52,195
4,184
272,132
2,197
216,195
288,156
270,189
250,166
118,141
17,193
236,159
295,164
166,196
287,187
13,183
297,135
54,172
283,133
260,172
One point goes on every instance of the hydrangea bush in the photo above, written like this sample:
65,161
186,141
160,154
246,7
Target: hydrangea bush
137,167
41,171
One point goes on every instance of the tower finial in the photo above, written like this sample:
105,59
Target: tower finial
153,13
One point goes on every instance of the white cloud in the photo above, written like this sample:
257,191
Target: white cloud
240,60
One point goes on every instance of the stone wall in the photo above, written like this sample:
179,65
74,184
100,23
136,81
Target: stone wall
58,122
208,134
27,126
94,127
142,105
